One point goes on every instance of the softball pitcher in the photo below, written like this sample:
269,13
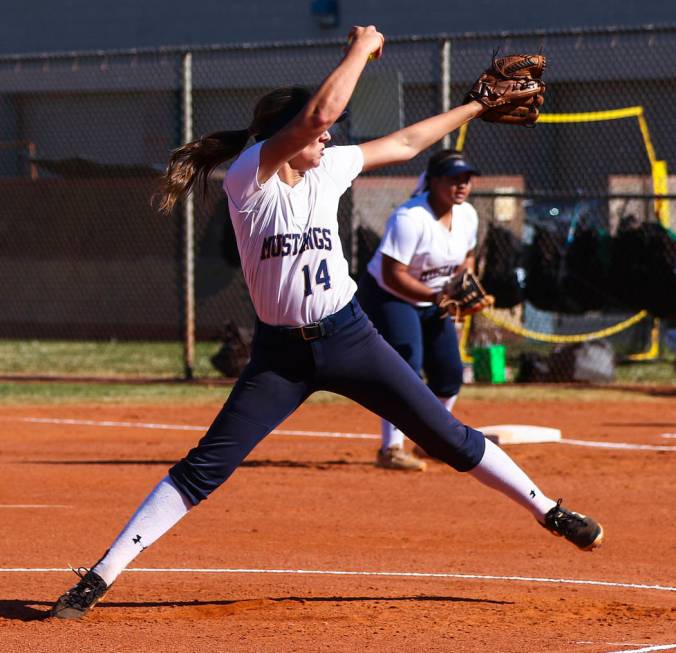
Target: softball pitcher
427,239
311,334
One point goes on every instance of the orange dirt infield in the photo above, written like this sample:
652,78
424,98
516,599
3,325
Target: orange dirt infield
318,504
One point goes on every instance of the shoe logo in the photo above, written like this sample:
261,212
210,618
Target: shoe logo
137,540
532,494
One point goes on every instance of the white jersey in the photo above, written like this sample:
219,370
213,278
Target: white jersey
287,237
413,236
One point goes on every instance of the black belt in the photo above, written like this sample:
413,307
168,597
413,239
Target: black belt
313,330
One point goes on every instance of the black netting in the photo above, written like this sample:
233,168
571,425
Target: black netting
565,208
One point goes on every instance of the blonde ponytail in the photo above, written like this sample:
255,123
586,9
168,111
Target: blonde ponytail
190,164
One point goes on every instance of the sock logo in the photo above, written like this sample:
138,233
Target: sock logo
532,494
137,540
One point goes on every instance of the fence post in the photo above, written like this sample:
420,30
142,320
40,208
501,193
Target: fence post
446,84
188,226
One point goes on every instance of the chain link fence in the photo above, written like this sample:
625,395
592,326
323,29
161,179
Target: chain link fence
97,283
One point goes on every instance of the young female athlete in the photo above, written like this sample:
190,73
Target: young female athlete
311,334
427,239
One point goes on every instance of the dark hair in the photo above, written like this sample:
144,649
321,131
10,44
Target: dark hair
191,164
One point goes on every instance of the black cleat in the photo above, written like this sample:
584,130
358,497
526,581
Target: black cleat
579,529
81,598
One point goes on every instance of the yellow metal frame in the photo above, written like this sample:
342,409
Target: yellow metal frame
561,339
653,350
660,176
464,340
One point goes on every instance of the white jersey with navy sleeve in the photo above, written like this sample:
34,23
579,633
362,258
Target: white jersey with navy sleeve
413,236
287,237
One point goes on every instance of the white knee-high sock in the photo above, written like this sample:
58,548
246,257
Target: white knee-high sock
448,402
160,510
498,471
390,436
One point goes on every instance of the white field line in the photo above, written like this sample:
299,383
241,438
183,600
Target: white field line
617,445
319,434
107,423
659,647
389,574
187,427
329,434
625,644
668,435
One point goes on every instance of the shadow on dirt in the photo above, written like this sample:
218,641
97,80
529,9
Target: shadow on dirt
310,464
27,610
19,610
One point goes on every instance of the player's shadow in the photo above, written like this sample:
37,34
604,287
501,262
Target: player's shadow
307,464
389,599
26,610
19,610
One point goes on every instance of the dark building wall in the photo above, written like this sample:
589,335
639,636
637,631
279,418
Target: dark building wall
49,25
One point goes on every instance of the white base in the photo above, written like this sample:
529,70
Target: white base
520,433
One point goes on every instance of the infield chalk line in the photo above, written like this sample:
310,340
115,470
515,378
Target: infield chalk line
185,427
659,647
616,445
390,574
321,434
133,425
625,644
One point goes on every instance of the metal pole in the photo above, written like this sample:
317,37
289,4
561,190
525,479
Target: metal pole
446,84
32,153
188,226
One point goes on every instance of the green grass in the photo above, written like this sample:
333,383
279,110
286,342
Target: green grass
660,372
163,360
52,392
103,358
59,392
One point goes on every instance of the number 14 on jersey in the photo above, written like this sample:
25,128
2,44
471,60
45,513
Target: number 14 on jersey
322,277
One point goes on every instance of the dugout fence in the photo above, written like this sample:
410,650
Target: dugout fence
96,283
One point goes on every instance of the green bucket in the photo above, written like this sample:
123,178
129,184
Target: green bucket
489,364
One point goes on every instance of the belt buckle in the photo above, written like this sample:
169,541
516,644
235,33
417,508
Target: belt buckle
312,331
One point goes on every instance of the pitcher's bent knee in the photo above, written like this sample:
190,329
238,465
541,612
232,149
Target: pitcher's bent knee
197,483
462,447
445,389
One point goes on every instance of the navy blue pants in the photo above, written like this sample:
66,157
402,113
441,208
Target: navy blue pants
425,341
350,359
